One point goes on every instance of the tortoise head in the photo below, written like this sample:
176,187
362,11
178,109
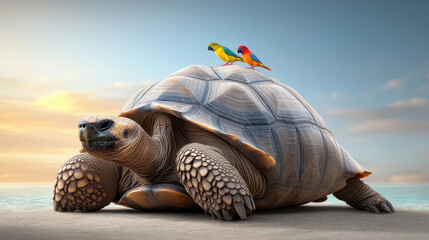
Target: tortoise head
103,135
121,141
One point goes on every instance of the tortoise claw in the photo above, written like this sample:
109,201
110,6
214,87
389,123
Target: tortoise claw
239,207
248,202
56,204
217,213
390,206
385,208
373,209
227,215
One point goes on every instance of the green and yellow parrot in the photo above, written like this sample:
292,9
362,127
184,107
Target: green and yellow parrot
224,53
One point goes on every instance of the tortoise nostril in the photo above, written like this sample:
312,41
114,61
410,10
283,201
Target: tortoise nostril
104,125
81,125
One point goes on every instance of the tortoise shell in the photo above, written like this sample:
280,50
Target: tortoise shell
269,122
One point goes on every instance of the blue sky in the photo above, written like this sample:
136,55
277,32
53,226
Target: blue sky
363,65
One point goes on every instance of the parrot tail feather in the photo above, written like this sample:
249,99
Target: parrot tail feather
266,67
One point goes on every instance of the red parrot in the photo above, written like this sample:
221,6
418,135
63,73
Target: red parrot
250,58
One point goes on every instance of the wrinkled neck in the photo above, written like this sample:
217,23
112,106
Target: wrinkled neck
152,157
140,154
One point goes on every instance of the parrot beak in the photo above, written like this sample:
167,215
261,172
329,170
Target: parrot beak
210,48
239,50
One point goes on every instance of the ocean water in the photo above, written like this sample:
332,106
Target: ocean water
39,196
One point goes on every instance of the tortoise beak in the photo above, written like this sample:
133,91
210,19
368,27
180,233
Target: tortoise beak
95,130
95,136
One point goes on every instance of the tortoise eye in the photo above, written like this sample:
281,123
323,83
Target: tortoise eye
104,125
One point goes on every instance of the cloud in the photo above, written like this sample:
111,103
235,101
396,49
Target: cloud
404,116
410,107
389,126
122,89
35,168
14,88
333,95
54,113
393,84
35,156
38,136
116,85
79,103
411,178
38,124
415,102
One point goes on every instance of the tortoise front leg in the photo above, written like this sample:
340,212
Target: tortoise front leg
213,182
85,183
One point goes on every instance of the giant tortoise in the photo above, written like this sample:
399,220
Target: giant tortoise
225,139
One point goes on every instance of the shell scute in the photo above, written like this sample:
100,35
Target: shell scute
175,89
265,139
238,103
197,72
283,103
231,74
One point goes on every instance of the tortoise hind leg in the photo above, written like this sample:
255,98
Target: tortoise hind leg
85,183
361,196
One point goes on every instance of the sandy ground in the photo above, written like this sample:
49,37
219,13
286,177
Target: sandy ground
305,222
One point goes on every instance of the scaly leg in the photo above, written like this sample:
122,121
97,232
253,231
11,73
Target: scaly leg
213,183
361,196
85,183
